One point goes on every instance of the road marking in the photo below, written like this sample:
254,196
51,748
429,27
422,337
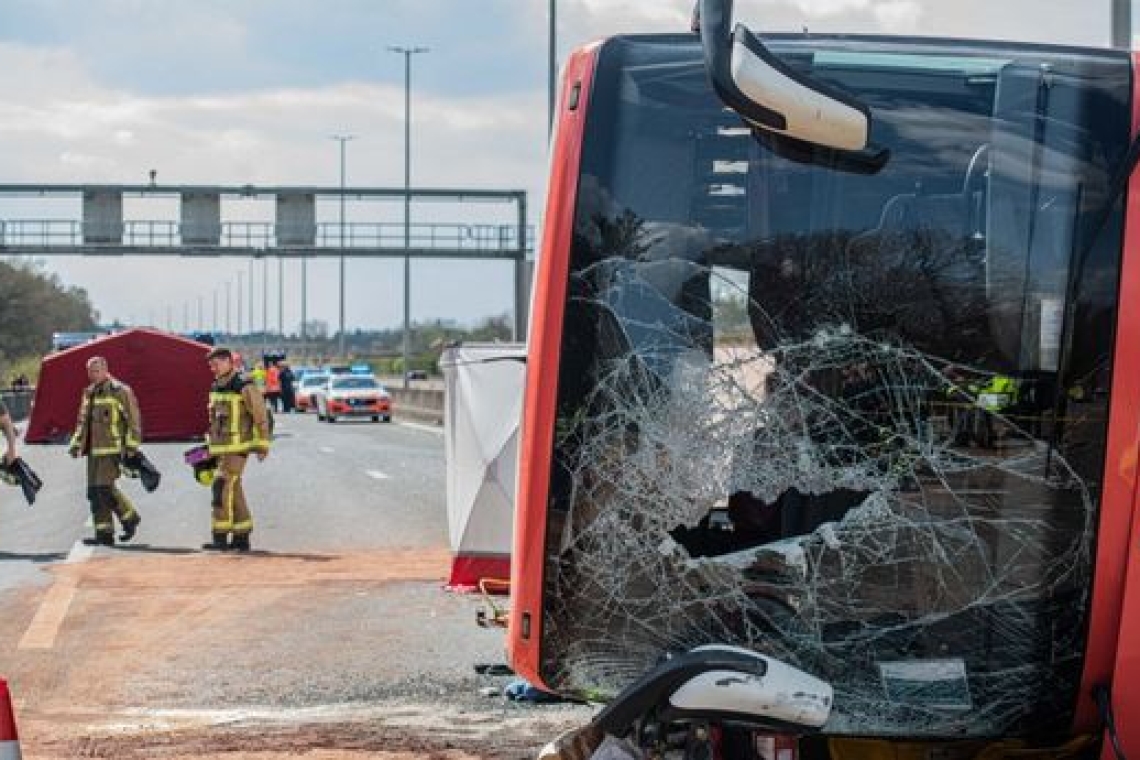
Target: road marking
325,449
53,609
426,428
376,474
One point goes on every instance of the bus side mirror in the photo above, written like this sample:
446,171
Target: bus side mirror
770,96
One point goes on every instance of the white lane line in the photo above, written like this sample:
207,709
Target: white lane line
376,474
325,449
437,429
44,628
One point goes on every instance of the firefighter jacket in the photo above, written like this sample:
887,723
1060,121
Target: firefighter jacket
238,420
109,420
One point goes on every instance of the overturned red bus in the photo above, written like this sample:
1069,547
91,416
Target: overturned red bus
846,377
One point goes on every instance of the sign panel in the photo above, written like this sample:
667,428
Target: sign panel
201,219
102,217
296,219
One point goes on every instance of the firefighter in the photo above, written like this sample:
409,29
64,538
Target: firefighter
109,427
238,425
9,431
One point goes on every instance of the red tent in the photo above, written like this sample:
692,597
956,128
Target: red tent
168,374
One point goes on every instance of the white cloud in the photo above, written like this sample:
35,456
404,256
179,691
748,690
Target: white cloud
62,122
900,16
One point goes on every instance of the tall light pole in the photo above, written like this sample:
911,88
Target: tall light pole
251,322
281,295
1122,24
342,139
229,324
552,62
407,52
239,276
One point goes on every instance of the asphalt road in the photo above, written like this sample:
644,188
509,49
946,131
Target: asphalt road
324,488
335,634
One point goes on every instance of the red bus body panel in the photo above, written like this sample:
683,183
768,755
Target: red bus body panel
543,360
1112,655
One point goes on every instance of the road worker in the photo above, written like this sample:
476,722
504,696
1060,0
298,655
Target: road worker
273,386
109,427
239,425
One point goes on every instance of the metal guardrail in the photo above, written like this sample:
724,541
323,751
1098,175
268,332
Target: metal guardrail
69,233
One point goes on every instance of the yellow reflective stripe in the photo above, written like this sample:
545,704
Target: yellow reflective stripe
124,504
243,527
104,451
232,443
116,417
104,527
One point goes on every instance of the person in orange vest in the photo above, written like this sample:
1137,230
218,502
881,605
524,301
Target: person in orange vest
273,386
239,425
109,427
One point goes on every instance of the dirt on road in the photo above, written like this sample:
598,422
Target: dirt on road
157,653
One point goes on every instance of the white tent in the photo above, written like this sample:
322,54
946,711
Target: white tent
482,410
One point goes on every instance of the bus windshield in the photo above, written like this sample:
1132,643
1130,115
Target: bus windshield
855,421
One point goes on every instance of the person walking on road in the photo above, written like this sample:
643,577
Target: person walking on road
109,427
239,425
288,391
273,386
9,431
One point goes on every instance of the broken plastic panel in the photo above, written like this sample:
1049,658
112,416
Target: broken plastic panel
852,422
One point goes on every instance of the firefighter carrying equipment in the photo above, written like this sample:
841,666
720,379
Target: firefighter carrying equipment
203,465
20,474
238,419
137,465
109,420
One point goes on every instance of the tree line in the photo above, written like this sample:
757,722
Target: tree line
33,305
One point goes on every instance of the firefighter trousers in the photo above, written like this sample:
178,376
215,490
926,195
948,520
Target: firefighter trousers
230,513
107,501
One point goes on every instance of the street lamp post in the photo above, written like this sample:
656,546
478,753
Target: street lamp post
281,296
550,70
407,52
342,139
251,320
1122,24
239,276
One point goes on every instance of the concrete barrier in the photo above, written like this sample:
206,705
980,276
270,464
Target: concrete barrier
422,404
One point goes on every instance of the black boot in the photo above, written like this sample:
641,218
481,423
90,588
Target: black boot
129,528
100,539
240,543
219,543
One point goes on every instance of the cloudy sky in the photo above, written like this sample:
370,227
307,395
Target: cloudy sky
235,92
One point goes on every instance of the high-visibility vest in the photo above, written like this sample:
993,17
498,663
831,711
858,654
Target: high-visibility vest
999,393
108,420
233,429
272,380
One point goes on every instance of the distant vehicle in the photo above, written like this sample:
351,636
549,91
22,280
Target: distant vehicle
353,396
417,374
310,384
360,369
61,341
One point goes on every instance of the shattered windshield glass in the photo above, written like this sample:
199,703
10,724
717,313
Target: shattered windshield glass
854,422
